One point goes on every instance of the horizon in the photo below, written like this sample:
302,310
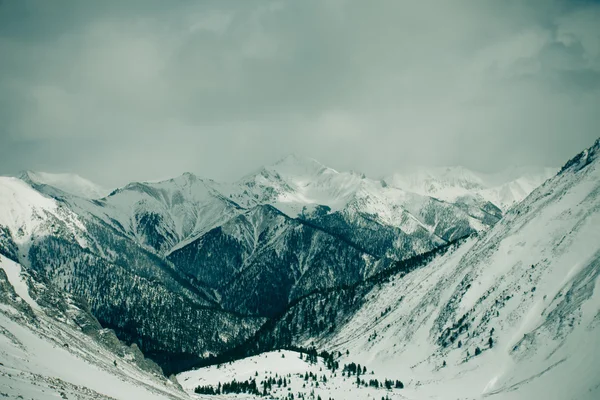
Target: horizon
408,170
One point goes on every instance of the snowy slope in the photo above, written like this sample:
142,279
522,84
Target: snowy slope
69,183
341,201
27,213
162,215
46,355
503,189
289,365
19,284
531,284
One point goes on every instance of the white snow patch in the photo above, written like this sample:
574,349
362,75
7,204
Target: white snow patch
13,272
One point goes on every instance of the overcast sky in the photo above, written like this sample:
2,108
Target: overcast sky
134,90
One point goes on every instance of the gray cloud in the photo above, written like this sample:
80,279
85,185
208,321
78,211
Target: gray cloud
125,90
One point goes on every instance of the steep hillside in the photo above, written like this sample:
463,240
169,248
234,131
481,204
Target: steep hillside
164,214
519,307
262,259
53,348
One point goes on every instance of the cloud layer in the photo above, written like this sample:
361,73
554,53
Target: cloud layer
118,91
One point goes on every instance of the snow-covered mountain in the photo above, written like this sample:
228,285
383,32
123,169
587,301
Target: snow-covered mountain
69,183
297,186
350,205
168,215
455,184
295,182
27,214
138,294
190,268
164,215
510,314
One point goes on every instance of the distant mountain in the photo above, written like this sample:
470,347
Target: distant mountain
458,184
163,215
352,206
68,183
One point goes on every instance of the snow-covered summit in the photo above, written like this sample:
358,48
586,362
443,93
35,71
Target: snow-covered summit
503,189
27,212
294,182
294,165
68,183
168,214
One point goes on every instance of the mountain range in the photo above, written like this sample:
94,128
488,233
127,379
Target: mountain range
449,270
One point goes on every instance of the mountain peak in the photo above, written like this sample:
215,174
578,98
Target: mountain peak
26,175
67,182
294,165
583,159
189,177
294,159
